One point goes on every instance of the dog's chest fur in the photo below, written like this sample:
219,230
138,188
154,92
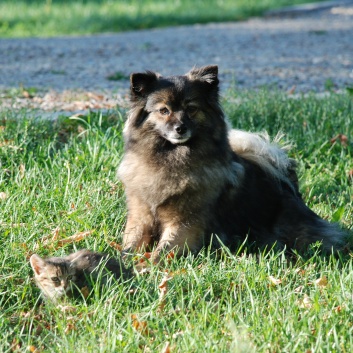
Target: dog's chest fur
176,173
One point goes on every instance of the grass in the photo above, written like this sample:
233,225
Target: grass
63,174
27,18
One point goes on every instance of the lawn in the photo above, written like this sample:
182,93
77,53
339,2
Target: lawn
24,18
59,178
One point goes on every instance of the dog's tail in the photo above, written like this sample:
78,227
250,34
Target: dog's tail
268,155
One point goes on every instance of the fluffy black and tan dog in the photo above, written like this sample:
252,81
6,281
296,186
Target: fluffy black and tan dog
187,176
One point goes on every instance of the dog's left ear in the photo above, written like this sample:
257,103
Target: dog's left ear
142,83
207,74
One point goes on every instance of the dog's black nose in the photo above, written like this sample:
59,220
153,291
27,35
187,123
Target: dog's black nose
180,128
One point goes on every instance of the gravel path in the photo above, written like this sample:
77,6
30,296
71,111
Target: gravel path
307,51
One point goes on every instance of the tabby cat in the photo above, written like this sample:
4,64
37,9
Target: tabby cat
60,276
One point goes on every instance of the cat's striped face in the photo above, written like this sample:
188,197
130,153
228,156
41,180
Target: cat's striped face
53,276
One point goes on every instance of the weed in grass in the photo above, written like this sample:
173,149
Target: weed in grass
63,174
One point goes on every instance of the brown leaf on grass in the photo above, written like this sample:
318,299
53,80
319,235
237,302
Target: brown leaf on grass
350,174
74,238
142,265
163,290
22,170
115,245
181,271
33,349
343,139
70,326
300,271
299,289
305,303
140,326
321,282
7,143
66,309
338,309
56,243
166,348
47,240
15,345
85,291
274,281
171,255
12,225
147,255
3,195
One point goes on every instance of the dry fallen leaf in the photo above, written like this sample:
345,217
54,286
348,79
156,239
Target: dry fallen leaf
15,345
341,138
147,255
299,289
166,348
322,281
140,326
22,170
274,281
66,308
70,327
73,238
85,291
170,255
115,245
49,239
306,302
12,225
33,349
163,290
338,309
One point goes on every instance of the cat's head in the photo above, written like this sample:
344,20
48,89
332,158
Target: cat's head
54,276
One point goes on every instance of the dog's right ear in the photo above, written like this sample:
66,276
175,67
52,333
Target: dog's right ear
141,84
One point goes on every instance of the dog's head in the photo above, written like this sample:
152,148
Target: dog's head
177,108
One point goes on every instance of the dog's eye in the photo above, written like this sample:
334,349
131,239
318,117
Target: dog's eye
191,109
164,111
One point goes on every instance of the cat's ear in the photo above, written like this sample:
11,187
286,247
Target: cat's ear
37,264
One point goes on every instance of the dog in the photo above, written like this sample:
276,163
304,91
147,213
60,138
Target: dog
191,181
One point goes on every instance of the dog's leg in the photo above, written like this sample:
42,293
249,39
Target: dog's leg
138,230
179,233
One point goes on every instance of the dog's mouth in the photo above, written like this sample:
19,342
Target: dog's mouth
178,139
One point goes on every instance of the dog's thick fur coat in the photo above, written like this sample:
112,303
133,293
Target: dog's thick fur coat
189,180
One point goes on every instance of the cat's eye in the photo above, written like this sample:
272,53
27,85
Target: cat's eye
69,278
164,111
191,109
55,279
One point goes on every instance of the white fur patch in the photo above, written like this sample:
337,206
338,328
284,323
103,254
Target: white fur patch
258,148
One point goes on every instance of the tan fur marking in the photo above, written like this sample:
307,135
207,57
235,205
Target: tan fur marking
138,231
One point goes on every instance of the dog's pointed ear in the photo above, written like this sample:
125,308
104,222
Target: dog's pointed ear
142,83
208,74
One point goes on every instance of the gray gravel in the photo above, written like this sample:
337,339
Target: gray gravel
309,52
